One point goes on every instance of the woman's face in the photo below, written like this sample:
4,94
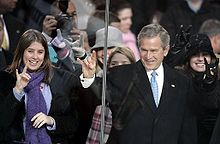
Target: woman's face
197,61
34,56
100,54
119,59
125,16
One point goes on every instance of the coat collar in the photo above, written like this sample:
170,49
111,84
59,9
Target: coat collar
143,86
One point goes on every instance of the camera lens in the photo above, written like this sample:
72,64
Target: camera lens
65,24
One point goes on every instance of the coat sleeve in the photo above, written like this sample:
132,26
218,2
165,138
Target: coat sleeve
65,88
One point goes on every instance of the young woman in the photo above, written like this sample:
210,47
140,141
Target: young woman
201,65
121,56
123,10
40,107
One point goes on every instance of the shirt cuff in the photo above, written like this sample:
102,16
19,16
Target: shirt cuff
86,82
17,95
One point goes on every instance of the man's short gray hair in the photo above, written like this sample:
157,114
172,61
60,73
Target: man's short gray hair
154,30
210,27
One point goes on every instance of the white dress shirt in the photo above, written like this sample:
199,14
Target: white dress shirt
159,78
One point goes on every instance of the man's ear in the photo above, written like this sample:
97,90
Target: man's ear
166,50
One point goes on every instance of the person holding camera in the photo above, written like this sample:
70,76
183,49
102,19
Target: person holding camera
63,17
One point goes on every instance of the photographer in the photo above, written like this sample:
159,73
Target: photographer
63,16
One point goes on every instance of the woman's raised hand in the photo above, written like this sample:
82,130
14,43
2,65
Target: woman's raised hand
22,79
88,65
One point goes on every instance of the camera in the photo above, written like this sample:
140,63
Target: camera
65,22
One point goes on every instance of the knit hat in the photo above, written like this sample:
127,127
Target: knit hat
199,43
114,38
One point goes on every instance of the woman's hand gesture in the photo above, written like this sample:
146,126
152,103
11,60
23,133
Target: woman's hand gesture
22,79
88,65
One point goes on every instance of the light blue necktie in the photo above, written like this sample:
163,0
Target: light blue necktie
154,86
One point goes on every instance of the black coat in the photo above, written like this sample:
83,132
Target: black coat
206,105
5,59
64,87
15,29
135,116
215,139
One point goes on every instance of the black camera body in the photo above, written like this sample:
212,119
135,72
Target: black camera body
64,21
65,24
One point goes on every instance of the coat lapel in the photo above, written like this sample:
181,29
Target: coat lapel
143,86
169,84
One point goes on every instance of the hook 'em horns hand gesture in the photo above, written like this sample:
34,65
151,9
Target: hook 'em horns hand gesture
23,79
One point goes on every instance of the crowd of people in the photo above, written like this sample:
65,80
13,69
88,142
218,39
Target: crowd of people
161,69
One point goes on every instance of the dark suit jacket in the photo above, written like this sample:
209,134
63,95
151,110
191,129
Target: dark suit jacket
135,116
64,87
15,29
5,59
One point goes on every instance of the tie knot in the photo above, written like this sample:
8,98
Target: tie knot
154,74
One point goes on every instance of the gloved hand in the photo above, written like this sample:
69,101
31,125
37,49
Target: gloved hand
178,51
60,46
181,39
76,48
211,73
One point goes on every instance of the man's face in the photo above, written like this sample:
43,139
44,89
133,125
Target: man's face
67,22
100,54
71,11
152,54
216,44
7,6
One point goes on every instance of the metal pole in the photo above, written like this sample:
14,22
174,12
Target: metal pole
104,72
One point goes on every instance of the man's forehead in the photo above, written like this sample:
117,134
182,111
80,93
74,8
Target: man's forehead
71,8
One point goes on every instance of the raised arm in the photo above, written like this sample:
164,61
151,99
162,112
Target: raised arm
88,65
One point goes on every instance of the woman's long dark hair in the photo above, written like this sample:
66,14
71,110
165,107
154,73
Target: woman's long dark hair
25,41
